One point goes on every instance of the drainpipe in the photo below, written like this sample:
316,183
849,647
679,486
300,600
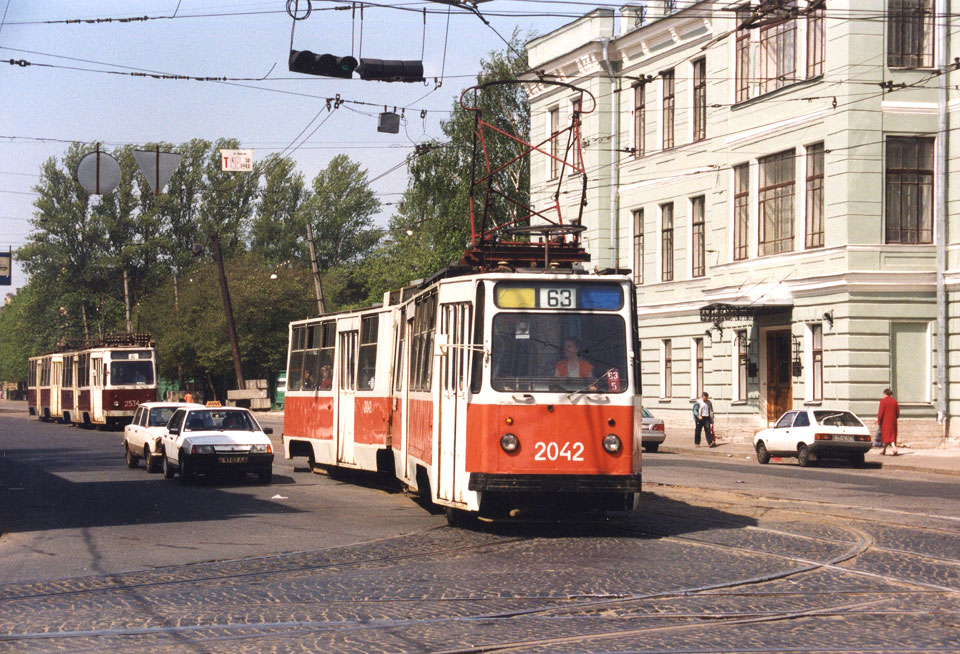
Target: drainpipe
614,160
939,210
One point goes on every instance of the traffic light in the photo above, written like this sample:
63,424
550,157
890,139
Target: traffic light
328,65
380,70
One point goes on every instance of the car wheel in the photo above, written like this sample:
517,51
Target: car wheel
165,464
186,474
149,462
803,456
857,460
652,447
763,456
265,477
132,459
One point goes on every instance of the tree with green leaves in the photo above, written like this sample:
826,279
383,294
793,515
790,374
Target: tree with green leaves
278,231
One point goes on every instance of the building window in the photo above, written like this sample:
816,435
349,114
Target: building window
910,369
776,203
740,366
638,246
666,384
554,144
816,362
669,105
700,99
741,211
778,50
743,54
666,242
696,387
698,230
814,208
639,120
815,42
909,210
910,34
577,153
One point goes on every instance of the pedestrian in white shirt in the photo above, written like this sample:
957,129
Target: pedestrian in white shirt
703,414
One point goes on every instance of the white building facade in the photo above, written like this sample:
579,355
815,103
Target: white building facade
776,177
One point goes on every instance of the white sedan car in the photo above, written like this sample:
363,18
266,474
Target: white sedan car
653,431
141,438
210,440
811,434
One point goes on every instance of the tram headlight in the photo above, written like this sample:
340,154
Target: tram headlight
612,444
509,442
116,403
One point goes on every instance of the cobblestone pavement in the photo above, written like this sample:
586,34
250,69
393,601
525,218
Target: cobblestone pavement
693,571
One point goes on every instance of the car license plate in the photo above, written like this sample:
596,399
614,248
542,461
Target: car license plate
232,459
843,437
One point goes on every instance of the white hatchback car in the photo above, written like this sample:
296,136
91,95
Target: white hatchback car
141,438
811,434
209,440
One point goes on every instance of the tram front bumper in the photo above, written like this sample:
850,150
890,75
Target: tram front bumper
482,481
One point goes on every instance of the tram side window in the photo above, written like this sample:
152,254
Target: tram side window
67,378
398,355
83,370
45,372
311,358
424,325
32,374
368,351
295,370
328,340
477,373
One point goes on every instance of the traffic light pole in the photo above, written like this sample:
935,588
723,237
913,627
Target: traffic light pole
228,310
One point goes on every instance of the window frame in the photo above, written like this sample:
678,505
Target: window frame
666,383
778,39
639,120
742,55
700,99
666,242
638,246
906,49
778,194
816,42
553,148
814,197
741,211
698,235
668,85
898,179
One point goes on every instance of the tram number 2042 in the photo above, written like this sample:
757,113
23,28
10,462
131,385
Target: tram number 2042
555,451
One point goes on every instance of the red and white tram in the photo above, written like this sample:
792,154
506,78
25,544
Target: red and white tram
491,391
102,384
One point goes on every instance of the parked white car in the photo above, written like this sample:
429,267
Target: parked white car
811,434
209,440
653,431
141,438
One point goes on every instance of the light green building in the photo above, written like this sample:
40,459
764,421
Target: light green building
770,173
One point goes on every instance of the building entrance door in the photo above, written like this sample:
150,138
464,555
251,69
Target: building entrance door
779,377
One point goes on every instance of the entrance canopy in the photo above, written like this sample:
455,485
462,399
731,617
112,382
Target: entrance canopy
718,311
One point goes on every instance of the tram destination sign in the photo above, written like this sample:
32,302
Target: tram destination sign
6,262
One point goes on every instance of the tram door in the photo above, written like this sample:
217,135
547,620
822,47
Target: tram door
456,322
56,382
96,391
348,333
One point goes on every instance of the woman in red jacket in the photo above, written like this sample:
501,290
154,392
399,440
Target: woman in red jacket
887,419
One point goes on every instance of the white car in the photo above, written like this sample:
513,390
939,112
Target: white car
811,434
653,431
141,438
209,440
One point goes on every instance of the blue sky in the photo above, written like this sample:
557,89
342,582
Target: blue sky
44,108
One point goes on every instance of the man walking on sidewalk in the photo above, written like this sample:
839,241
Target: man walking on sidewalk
703,414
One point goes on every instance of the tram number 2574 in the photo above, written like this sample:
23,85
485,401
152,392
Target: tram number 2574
554,451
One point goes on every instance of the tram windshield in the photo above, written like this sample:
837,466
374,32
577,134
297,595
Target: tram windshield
124,373
566,352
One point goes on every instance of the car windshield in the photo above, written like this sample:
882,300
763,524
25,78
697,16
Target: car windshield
645,413
837,419
123,373
542,352
160,416
219,420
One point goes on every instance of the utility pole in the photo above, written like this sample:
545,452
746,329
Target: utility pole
315,269
228,310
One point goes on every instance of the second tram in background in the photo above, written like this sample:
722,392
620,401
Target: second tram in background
100,384
485,392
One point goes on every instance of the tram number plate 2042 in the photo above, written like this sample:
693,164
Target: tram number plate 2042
232,459
555,451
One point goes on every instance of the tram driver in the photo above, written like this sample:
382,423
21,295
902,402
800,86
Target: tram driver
571,365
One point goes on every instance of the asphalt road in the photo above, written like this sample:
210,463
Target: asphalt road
723,556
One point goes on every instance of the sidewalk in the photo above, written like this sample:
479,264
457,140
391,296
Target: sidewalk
944,461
